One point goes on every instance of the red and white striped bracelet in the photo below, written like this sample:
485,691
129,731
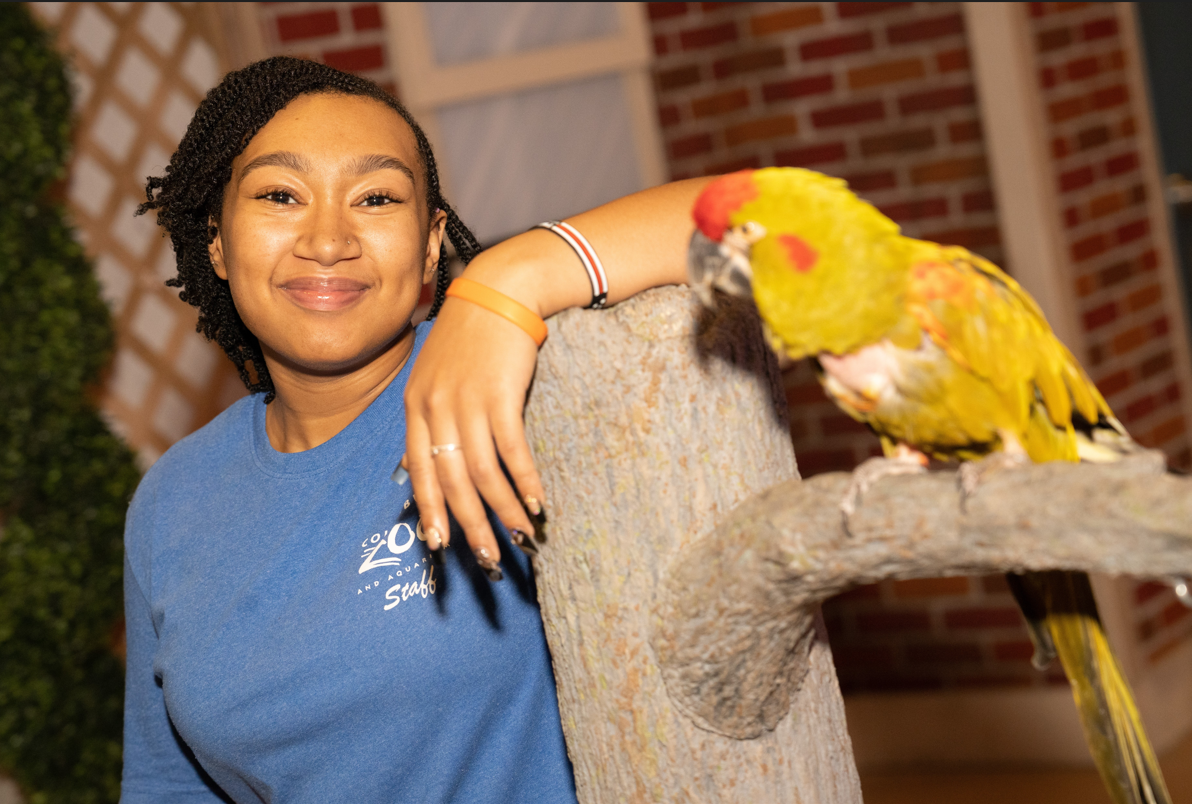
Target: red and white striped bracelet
587,256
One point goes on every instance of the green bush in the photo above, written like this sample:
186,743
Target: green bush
65,480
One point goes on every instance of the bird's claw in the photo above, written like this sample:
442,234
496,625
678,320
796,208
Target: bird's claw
972,475
870,472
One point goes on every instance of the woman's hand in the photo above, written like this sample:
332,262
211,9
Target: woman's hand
468,387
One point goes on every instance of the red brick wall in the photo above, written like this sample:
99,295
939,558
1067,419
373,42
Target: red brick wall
1095,149
348,36
1114,261
933,633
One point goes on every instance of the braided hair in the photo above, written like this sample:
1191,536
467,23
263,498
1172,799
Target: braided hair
190,194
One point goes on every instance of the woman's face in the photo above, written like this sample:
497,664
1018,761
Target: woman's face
325,238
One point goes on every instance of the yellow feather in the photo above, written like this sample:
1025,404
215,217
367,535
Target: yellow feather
1111,721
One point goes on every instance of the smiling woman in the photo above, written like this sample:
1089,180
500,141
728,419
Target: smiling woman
279,586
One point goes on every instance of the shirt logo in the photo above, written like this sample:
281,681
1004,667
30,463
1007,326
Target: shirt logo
415,575
393,557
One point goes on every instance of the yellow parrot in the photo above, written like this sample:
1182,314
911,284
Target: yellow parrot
944,356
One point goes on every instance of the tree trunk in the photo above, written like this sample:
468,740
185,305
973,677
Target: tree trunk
650,422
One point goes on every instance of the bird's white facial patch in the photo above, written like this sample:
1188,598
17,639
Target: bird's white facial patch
741,237
736,247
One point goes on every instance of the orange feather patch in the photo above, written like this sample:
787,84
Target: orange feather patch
800,252
720,200
941,280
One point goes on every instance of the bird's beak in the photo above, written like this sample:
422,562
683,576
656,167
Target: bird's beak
715,266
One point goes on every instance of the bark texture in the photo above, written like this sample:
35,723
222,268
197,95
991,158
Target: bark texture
650,423
732,661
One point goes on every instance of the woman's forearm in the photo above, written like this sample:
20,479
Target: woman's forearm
641,240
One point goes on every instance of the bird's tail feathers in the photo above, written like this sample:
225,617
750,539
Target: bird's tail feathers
1032,603
1112,725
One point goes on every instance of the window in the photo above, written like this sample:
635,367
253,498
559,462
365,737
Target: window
536,110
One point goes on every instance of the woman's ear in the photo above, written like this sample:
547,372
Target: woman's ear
216,252
434,244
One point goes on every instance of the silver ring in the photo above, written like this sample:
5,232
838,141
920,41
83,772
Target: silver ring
434,451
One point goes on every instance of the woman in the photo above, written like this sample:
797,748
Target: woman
290,638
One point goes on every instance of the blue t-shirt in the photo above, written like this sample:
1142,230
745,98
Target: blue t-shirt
289,639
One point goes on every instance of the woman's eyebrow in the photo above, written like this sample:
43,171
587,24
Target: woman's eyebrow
285,159
375,162
299,164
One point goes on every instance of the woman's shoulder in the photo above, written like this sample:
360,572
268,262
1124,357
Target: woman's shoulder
207,451
188,469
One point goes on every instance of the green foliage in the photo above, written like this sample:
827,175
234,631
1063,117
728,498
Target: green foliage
35,97
65,480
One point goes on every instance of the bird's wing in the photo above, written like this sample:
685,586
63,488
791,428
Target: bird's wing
989,325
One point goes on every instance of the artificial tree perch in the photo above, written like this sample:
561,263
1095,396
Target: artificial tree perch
681,602
1126,518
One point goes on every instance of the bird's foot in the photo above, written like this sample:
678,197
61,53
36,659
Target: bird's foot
972,475
905,462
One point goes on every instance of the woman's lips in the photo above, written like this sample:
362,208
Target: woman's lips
323,293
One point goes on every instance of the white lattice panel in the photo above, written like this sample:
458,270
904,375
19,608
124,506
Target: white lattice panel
140,71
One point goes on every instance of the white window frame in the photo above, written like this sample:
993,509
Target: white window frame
426,86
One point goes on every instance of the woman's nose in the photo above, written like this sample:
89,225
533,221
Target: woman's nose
328,237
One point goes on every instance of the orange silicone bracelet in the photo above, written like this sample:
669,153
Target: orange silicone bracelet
500,304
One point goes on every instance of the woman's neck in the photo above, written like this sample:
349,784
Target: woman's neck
310,408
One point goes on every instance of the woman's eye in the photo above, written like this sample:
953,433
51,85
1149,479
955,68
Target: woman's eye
278,197
378,200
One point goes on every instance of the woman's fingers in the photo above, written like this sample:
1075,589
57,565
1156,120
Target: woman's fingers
432,511
509,433
442,478
451,468
484,469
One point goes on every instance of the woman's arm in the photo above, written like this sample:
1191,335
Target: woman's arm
157,767
469,383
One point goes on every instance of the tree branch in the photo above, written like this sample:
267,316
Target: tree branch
735,622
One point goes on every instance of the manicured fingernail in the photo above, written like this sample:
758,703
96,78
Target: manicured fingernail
489,564
520,535
433,540
524,542
532,505
400,476
436,557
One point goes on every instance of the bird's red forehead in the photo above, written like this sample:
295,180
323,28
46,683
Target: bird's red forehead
720,200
